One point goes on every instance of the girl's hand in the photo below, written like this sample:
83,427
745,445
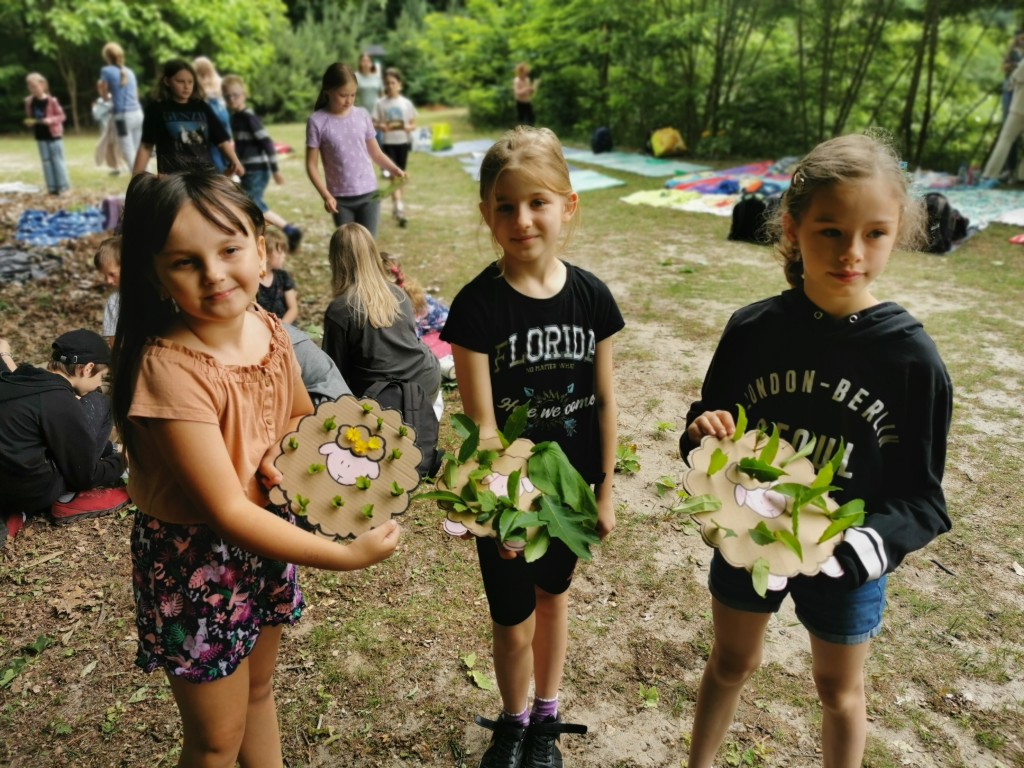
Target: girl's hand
330,204
235,169
717,423
29,122
605,516
375,545
269,474
278,178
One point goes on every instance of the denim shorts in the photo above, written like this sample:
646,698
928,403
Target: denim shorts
828,611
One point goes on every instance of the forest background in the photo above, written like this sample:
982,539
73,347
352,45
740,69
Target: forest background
746,78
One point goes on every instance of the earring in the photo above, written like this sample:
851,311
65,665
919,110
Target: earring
263,271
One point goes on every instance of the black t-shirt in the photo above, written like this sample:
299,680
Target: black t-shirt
182,135
41,130
541,351
271,297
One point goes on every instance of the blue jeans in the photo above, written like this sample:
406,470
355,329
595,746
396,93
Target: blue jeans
362,209
54,168
129,134
255,184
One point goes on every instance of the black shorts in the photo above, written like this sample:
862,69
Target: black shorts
510,584
399,153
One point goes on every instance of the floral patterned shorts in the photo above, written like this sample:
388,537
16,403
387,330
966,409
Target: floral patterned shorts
200,602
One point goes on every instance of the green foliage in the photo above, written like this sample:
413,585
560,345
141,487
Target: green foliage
478,678
626,461
649,696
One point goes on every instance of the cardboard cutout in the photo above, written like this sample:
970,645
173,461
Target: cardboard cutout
348,468
747,502
512,458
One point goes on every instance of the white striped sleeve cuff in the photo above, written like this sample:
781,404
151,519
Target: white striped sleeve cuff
870,551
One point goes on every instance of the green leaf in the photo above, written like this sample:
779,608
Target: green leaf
695,505
837,526
363,483
293,443
395,454
837,457
486,457
790,541
463,425
759,470
761,535
451,474
469,445
538,546
315,469
488,501
469,660
741,423
337,502
729,532
515,424
329,424
807,449
513,487
367,511
718,460
852,508
575,529
380,423
650,696
759,575
664,484
396,489
770,451
480,680
445,496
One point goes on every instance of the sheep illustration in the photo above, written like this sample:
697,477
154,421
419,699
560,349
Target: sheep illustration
348,468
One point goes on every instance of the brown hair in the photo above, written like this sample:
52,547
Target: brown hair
842,160
358,273
335,76
276,238
109,251
113,54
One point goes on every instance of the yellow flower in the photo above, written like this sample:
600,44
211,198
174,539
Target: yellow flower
374,444
359,447
352,434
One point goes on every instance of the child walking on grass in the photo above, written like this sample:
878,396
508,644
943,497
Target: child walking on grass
395,118
44,115
182,127
203,391
874,383
343,135
532,328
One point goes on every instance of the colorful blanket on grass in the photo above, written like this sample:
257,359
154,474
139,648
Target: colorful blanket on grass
46,228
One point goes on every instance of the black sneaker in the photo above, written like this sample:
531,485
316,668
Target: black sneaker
294,235
542,742
506,750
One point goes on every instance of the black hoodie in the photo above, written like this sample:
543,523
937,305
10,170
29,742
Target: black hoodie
46,444
873,380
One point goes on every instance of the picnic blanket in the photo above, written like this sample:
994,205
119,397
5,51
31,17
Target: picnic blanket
18,266
46,228
632,162
582,180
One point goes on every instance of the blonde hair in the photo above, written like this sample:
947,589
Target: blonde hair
207,74
536,153
36,77
113,54
230,80
417,295
357,272
522,69
109,252
274,237
843,160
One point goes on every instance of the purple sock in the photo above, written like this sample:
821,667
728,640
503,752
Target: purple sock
523,718
543,709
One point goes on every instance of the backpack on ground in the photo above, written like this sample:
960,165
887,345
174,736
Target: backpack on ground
417,411
750,216
601,140
946,225
666,142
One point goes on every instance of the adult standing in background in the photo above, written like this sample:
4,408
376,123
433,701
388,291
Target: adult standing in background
523,88
118,83
369,83
1013,126
210,79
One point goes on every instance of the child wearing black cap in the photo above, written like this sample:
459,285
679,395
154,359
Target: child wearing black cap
55,425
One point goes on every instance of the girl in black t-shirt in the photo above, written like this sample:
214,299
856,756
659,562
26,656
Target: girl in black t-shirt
534,329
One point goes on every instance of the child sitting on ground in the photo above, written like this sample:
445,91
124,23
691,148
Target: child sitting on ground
276,292
55,425
108,262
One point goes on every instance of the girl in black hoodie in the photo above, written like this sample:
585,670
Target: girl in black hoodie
828,360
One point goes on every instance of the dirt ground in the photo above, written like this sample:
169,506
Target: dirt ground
374,676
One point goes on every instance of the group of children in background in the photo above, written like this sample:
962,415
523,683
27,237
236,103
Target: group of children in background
195,253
